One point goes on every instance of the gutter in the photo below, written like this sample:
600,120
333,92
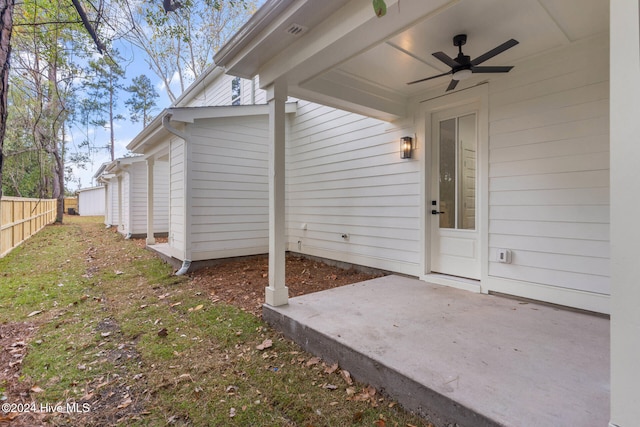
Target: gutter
166,122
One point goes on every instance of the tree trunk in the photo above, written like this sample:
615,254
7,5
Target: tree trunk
6,27
58,185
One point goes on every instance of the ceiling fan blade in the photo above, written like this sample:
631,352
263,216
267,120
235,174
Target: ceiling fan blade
495,51
429,78
498,69
446,59
452,85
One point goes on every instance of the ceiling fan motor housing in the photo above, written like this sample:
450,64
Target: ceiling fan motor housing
460,40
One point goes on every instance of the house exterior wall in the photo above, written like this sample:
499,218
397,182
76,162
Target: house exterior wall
124,226
229,187
137,184
91,201
177,196
113,213
133,179
549,175
160,196
219,93
345,176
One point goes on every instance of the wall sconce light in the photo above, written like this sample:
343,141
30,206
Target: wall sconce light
406,147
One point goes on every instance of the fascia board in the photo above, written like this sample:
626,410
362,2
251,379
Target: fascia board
191,114
149,135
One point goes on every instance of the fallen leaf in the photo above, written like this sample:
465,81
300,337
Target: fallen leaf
196,308
175,304
126,402
232,412
163,332
313,361
380,422
118,272
33,313
330,386
331,369
36,389
185,377
10,416
371,391
346,376
265,344
105,334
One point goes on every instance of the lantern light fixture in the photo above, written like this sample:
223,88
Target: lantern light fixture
406,147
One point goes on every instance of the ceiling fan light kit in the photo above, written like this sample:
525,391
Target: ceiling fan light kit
462,67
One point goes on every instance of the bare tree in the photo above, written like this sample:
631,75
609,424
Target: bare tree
179,38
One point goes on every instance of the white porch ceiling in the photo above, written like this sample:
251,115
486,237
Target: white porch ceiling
353,60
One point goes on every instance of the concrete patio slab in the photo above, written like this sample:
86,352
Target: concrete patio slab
457,356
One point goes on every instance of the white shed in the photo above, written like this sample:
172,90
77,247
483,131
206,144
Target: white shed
91,201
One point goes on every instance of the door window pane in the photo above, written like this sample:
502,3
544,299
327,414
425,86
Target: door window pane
448,173
467,172
457,174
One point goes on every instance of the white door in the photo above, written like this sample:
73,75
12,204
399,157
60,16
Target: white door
454,236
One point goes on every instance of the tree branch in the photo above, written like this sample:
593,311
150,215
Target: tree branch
88,26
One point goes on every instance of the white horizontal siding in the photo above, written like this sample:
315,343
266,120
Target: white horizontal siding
345,176
125,221
161,196
112,202
138,197
549,170
218,92
229,187
177,199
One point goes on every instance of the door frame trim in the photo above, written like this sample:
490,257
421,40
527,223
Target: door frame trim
478,95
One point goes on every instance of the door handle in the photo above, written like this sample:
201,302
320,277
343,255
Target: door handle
435,212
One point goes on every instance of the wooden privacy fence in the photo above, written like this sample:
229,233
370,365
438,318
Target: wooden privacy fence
21,218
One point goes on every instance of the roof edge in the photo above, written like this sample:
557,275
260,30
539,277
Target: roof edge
258,22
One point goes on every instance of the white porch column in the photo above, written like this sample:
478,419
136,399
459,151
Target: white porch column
151,240
119,224
277,293
625,211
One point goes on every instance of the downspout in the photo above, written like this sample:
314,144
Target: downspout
166,122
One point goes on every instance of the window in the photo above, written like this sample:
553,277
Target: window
458,173
236,91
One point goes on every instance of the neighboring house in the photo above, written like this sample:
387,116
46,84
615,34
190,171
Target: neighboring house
509,188
218,166
126,199
91,201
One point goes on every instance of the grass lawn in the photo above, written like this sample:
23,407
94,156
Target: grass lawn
96,322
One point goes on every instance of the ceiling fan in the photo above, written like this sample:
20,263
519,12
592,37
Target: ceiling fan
462,66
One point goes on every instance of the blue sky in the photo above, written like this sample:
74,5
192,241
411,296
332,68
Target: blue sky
124,130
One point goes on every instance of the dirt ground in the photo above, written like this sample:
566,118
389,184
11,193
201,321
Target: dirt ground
241,282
